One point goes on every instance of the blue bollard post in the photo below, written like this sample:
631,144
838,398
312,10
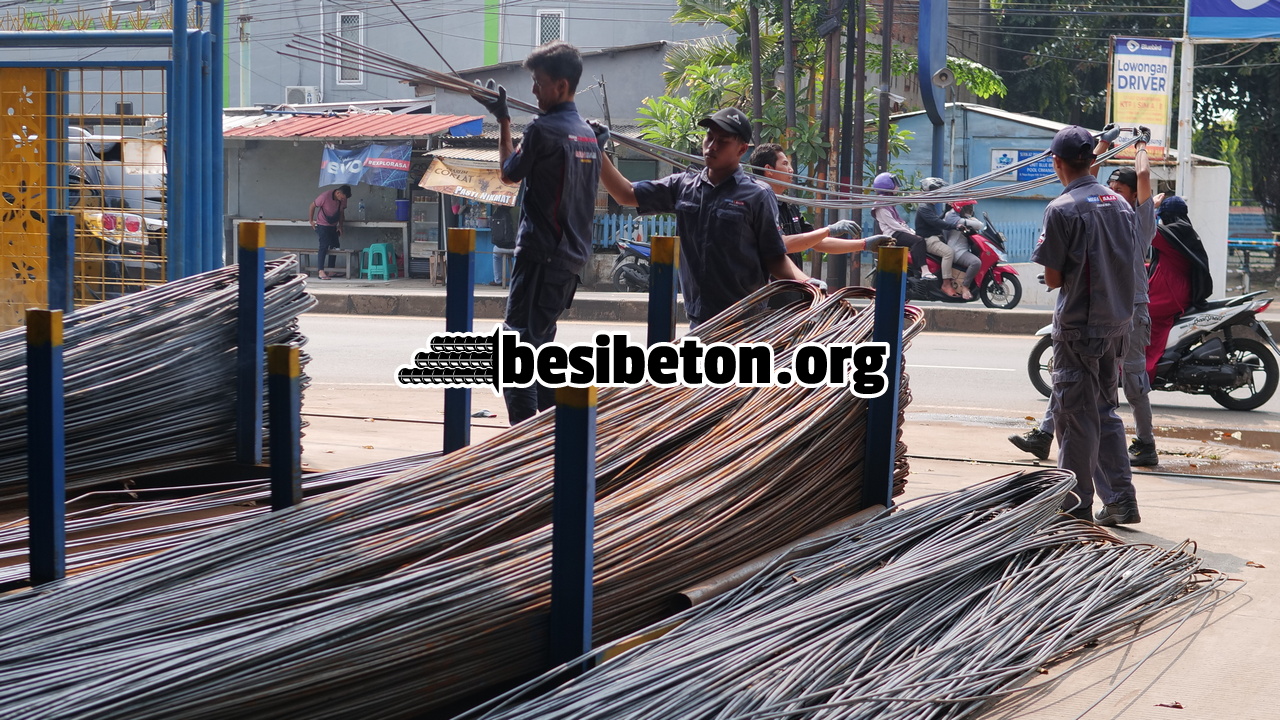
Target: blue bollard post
249,342
46,448
459,315
664,263
882,412
62,255
573,523
285,414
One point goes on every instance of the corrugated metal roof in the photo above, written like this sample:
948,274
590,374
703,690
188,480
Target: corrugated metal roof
358,125
482,155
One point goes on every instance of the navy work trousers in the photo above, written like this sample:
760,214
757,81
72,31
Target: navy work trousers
1086,377
539,295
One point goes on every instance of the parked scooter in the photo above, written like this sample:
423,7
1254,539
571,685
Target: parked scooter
1216,351
631,269
996,283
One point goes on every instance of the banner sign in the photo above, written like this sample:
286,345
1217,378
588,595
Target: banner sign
484,185
385,165
1007,158
1142,88
1233,19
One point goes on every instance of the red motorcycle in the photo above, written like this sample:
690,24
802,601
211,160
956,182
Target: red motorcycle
996,283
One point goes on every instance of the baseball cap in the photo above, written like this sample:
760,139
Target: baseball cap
1072,143
730,119
1125,176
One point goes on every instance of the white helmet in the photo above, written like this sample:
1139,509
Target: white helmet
930,184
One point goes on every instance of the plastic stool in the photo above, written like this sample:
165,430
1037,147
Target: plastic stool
376,261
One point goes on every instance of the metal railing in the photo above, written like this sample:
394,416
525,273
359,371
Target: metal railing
611,227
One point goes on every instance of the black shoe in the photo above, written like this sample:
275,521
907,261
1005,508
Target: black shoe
1124,512
1034,441
1143,454
1081,513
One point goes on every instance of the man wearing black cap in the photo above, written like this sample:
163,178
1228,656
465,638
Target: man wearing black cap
1089,251
728,223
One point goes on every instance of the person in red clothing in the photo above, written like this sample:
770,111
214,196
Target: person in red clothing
1179,274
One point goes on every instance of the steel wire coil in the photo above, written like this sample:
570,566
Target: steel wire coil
407,593
147,377
935,611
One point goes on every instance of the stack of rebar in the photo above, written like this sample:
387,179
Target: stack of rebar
148,378
409,593
935,611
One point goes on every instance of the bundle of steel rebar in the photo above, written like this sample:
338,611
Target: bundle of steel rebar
412,592
148,377
935,611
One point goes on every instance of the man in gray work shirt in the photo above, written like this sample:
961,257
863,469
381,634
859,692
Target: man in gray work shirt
1089,251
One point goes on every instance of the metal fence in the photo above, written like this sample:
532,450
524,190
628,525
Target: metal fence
609,228
1020,240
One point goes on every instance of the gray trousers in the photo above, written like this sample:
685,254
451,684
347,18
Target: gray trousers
1090,434
1134,380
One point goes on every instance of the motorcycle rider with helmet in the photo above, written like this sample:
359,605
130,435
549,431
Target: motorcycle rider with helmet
891,224
933,226
961,214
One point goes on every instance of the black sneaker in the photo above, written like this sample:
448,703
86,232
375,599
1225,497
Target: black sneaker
1124,512
1034,441
1143,454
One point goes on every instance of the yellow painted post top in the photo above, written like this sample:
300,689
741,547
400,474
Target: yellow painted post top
253,235
283,360
44,328
582,398
462,241
665,250
892,260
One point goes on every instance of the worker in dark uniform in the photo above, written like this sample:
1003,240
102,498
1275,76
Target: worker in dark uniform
1134,185
728,223
1089,252
559,160
772,165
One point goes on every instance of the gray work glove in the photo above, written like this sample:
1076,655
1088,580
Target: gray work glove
818,283
1110,133
876,241
1144,133
847,228
601,131
496,106
974,224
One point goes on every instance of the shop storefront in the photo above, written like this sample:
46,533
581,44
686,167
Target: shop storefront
463,188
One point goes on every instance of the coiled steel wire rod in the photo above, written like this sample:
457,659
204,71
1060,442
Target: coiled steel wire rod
408,593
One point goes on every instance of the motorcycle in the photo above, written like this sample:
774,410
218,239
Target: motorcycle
631,269
1206,354
996,284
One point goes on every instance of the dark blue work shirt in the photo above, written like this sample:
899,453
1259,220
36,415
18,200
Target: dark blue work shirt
930,223
727,232
559,162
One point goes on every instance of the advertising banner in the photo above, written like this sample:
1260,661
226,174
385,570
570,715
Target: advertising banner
385,165
1001,159
1142,88
1233,19
483,185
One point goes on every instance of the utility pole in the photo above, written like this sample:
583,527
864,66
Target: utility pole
757,102
840,263
830,104
886,73
788,67
857,156
244,59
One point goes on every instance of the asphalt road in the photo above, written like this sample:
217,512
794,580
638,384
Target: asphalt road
965,378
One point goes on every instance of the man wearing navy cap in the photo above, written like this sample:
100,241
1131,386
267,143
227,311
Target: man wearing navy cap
1089,251
728,223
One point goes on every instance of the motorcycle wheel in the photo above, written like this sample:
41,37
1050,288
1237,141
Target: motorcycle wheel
1040,366
1248,350
1003,295
621,282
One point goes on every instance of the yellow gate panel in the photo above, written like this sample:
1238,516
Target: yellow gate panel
24,204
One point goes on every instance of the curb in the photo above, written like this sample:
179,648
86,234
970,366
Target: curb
636,310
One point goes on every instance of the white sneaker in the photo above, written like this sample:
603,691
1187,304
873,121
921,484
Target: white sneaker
926,275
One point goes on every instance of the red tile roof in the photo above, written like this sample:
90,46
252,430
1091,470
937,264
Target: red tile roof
358,125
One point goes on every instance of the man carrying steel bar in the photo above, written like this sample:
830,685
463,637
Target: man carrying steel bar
1089,251
559,162
728,223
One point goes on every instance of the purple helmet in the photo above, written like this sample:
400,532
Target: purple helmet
885,183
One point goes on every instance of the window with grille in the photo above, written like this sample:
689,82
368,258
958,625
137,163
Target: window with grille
550,26
350,29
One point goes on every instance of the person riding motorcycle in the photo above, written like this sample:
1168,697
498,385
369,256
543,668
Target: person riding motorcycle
961,215
1179,275
933,227
891,224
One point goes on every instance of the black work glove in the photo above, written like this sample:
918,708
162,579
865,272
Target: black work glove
496,106
1144,134
602,133
1109,133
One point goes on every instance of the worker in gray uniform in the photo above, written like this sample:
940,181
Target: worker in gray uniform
1134,185
1089,251
730,243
